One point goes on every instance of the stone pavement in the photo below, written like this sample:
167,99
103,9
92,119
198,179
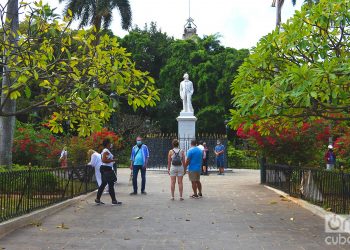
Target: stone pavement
235,213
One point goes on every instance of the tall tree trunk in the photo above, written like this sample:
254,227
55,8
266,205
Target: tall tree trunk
279,12
7,124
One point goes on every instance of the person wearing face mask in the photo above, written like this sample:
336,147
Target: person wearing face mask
219,152
139,159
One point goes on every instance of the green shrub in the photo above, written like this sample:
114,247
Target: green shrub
242,158
29,182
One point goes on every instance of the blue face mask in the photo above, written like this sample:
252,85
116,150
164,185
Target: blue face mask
138,143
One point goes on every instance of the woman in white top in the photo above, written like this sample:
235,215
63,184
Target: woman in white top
107,173
95,162
176,163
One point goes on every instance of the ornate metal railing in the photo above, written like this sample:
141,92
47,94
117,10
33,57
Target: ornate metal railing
24,191
328,189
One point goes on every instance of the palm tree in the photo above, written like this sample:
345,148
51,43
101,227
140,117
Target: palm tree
280,5
98,12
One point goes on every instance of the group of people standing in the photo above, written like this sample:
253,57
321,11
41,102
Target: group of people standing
195,163
105,173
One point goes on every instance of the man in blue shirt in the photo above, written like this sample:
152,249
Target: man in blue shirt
194,166
219,152
139,158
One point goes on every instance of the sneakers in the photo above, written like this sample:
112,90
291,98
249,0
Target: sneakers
200,195
98,202
116,203
144,192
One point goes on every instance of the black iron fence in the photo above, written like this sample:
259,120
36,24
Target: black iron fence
24,191
159,146
327,189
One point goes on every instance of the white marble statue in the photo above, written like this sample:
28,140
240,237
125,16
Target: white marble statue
186,91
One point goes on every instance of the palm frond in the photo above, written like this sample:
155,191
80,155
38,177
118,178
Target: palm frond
125,12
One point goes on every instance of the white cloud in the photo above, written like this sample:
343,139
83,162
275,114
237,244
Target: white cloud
241,23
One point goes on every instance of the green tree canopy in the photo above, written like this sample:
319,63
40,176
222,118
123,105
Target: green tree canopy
211,67
56,69
299,73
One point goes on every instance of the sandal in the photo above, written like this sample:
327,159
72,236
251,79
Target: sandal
194,196
172,198
181,199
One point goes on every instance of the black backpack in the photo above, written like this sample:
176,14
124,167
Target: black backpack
176,158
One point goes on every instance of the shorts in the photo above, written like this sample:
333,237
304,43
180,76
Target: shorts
176,170
194,176
220,162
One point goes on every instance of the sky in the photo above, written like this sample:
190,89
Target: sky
240,23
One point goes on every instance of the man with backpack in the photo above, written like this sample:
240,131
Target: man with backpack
176,162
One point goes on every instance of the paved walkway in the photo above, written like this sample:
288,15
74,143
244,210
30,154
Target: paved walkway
235,213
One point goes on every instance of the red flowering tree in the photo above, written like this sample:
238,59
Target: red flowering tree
95,139
35,145
298,145
342,149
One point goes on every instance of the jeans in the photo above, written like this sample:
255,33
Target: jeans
135,172
104,184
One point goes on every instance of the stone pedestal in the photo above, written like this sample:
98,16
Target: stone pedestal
186,129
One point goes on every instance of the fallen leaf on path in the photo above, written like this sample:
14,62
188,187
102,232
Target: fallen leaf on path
273,202
62,226
251,226
138,218
212,223
284,199
126,238
258,213
36,223
188,220
329,209
102,231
